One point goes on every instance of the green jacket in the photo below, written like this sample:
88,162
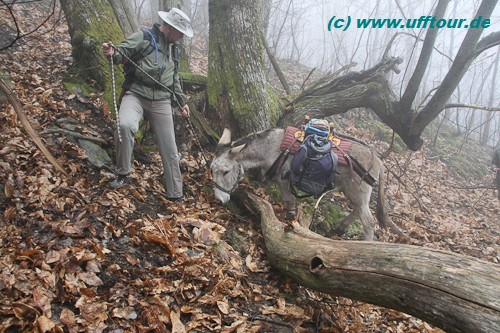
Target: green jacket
164,71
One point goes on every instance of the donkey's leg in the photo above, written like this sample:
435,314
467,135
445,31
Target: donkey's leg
359,194
340,230
368,222
366,217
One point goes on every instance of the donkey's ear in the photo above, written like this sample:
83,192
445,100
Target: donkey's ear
237,149
225,139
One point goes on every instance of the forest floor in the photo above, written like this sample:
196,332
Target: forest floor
76,256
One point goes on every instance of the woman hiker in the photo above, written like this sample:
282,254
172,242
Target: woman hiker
150,92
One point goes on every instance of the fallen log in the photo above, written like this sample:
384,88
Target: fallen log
454,292
193,82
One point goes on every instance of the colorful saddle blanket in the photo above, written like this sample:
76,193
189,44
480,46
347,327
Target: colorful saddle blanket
289,138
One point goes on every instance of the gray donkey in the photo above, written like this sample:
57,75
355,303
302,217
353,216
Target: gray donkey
261,150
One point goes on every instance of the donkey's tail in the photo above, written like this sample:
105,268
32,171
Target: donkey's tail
383,218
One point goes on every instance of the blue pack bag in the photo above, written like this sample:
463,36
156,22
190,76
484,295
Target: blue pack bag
314,165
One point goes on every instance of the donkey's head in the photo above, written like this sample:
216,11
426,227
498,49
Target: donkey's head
226,169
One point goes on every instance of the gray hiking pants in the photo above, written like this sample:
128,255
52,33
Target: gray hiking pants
159,114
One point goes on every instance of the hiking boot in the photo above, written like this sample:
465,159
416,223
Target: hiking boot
178,199
118,182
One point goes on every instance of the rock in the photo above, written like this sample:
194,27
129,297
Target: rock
95,154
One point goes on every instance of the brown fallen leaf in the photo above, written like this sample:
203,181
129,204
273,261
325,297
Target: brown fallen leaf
133,261
67,317
90,279
25,312
252,266
9,189
125,313
42,300
238,326
44,324
137,195
177,325
52,257
9,214
223,307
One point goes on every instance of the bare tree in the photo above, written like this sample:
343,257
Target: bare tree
489,116
125,15
12,31
371,89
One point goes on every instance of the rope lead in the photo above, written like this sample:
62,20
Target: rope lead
117,114
190,125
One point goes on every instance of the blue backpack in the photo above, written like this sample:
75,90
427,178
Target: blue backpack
150,35
314,165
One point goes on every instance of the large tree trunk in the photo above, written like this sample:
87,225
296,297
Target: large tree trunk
90,23
452,291
237,86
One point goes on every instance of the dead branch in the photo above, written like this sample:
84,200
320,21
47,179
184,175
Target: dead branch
454,292
4,88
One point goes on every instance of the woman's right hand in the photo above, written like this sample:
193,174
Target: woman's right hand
108,49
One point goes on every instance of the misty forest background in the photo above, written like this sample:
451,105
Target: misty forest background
76,256
297,35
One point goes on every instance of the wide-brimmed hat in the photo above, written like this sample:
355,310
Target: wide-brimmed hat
179,20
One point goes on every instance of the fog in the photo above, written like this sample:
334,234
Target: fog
298,31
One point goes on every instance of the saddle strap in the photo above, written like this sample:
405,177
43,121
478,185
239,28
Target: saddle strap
278,163
364,174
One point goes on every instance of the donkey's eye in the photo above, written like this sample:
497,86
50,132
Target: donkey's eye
225,173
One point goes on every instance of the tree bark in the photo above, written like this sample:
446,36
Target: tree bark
125,15
452,291
90,23
237,86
